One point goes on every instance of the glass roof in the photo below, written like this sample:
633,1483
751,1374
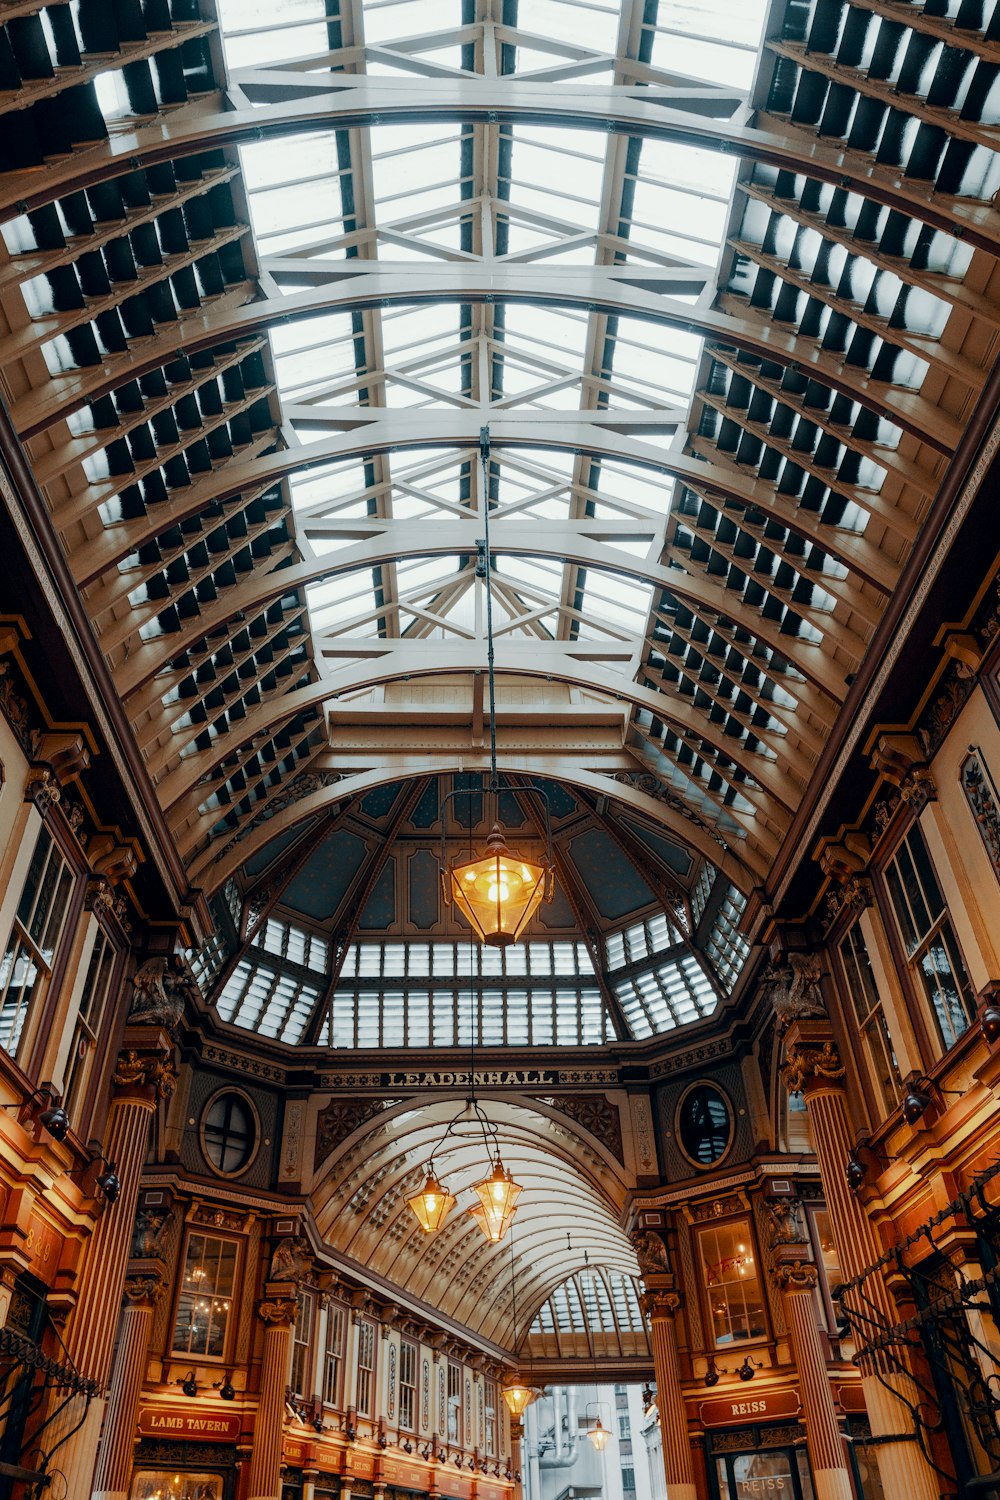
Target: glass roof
437,195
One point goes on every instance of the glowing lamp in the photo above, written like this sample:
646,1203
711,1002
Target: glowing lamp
498,1193
498,894
599,1436
519,1396
493,1228
432,1204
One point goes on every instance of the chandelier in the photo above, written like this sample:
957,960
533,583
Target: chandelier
498,892
497,1192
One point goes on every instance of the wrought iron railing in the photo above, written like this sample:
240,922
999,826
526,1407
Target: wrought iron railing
31,1382
948,1348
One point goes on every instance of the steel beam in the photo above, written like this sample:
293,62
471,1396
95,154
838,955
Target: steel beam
622,291
344,101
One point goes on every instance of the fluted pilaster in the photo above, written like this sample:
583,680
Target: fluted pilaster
814,1066
144,1075
661,1303
796,1281
278,1314
114,1459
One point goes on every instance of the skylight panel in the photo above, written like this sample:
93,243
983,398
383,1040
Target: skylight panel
591,23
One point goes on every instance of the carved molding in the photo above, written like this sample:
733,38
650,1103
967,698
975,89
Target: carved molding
144,1291
661,1302
785,1221
280,1312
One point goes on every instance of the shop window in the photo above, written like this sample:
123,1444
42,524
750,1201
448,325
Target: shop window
302,1337
408,1386
204,1304
90,1019
167,1484
229,1133
366,1368
731,1283
924,926
334,1354
26,966
454,1403
704,1124
868,1012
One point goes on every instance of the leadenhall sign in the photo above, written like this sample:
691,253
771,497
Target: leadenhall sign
769,1406
198,1427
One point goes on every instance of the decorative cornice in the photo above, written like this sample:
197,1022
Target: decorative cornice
660,1302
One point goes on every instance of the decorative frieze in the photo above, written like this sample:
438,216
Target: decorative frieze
596,1114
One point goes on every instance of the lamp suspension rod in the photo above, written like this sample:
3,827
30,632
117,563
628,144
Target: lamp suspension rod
484,453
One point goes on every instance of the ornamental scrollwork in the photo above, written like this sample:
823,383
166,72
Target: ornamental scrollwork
803,1063
146,1070
279,1311
660,1303
144,1291
796,1275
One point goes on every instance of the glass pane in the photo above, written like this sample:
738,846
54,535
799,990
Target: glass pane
730,1278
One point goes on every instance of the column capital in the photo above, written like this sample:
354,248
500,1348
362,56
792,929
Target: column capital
146,1075
279,1311
810,1060
144,1287
795,1275
661,1301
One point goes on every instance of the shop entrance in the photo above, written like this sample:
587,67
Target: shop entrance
754,1464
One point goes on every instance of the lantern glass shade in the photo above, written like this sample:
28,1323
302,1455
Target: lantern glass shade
498,1193
499,893
519,1396
432,1204
599,1436
493,1228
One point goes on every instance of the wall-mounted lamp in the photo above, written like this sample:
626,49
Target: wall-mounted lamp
989,1020
748,1369
855,1169
920,1094
189,1385
52,1118
713,1374
226,1390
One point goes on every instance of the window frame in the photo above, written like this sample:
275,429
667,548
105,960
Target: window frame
365,1374
873,1030
303,1340
703,1083
245,1099
203,1356
78,1073
20,944
702,1267
456,1377
333,1357
409,1355
936,1044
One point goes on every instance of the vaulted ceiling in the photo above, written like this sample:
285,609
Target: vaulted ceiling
725,307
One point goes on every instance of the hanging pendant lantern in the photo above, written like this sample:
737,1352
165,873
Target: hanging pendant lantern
432,1204
500,893
599,1436
519,1396
493,1228
498,1193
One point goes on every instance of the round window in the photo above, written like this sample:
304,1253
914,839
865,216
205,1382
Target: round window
704,1124
229,1133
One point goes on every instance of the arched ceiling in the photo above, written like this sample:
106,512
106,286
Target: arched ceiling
726,307
572,1187
334,933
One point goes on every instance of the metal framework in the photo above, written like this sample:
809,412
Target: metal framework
266,279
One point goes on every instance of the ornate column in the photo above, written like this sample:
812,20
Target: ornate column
813,1066
144,1287
144,1074
277,1312
661,1303
795,1277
